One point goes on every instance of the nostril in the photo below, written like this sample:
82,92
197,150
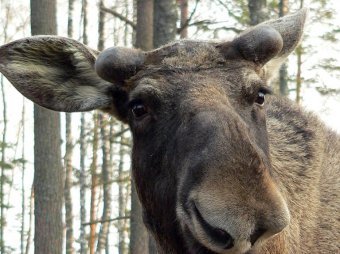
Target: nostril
219,236
222,237
256,235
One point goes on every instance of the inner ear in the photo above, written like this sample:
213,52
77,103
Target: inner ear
257,45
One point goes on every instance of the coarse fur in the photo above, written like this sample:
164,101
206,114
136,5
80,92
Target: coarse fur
220,164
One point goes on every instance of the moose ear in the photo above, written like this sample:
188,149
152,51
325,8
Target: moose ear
56,73
268,44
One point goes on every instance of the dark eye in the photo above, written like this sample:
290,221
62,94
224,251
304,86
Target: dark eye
139,110
260,98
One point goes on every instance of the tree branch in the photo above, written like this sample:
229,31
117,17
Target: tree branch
230,12
118,15
103,221
186,24
209,22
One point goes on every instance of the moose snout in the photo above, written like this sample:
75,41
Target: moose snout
232,221
235,231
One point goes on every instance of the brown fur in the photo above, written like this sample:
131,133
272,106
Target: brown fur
216,171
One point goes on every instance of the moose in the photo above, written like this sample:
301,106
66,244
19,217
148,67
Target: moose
221,165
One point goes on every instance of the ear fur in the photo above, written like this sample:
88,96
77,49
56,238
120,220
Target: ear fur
269,43
56,73
291,28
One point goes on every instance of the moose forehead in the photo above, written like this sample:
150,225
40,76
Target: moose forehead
195,66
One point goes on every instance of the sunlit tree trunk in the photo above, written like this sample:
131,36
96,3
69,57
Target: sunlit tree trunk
82,176
3,166
48,173
3,144
29,232
106,178
94,184
283,74
298,52
23,193
82,183
68,157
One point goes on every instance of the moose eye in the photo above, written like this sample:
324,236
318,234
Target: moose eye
260,98
139,110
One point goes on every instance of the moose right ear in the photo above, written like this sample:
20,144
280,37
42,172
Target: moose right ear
58,73
268,44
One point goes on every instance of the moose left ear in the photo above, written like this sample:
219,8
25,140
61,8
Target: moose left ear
55,72
269,43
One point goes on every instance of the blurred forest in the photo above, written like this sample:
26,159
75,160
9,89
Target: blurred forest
82,200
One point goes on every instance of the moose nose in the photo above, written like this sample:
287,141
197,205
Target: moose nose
217,235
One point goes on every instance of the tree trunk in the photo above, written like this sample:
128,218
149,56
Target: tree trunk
70,18
144,29
68,186
121,203
82,176
48,183
48,173
29,232
283,74
3,145
3,168
298,52
94,184
82,183
106,178
139,237
68,157
101,26
257,11
165,19
23,193
183,4
84,18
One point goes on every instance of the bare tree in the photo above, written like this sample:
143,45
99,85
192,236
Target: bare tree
257,11
29,232
82,175
48,174
94,184
139,237
23,193
165,22
3,145
183,4
106,180
82,183
283,74
299,52
68,157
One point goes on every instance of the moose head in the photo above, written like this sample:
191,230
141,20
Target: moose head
197,111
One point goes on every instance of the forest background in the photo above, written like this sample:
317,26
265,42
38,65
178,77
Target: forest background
89,201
